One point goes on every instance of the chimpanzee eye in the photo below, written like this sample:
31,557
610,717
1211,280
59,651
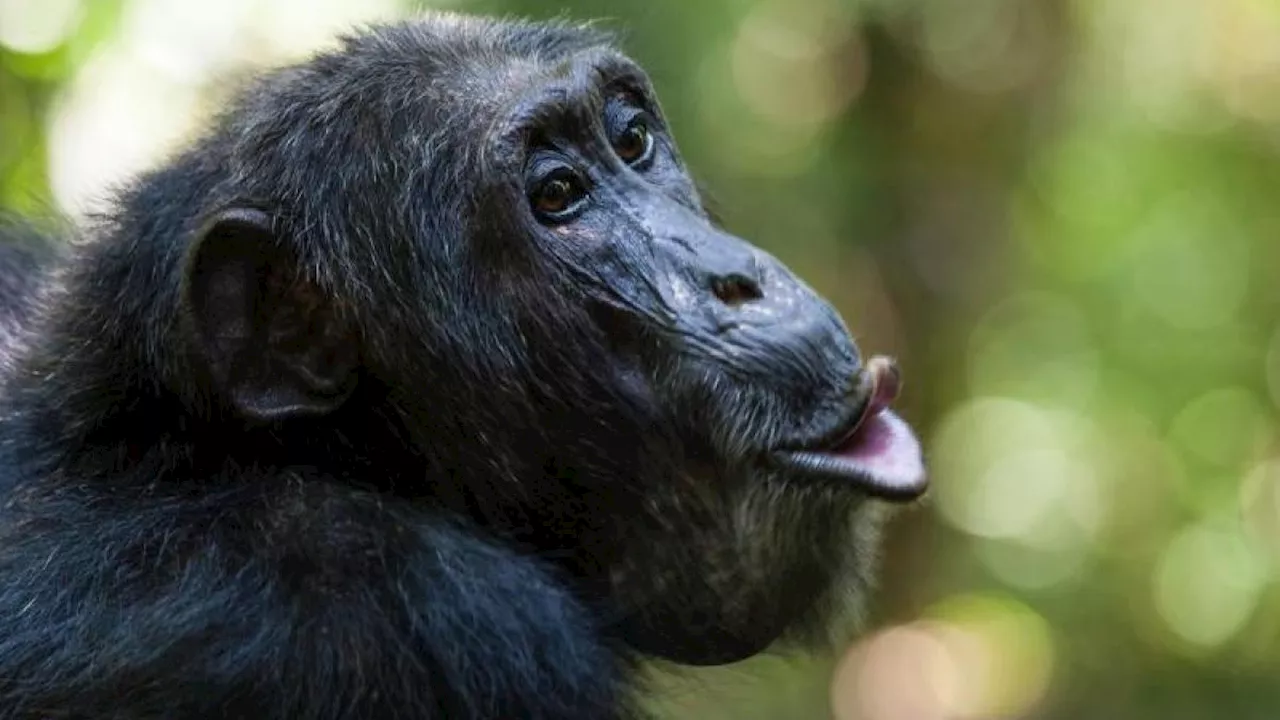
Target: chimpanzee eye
558,194
634,143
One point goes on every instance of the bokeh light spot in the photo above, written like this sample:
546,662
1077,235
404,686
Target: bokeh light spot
1225,426
1007,651
982,45
903,672
141,95
1034,567
1272,368
1242,60
1207,584
28,26
1034,345
1153,65
1192,269
1082,199
798,63
117,119
744,143
1260,506
977,657
184,41
1011,469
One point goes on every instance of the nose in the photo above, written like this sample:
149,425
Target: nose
731,271
734,289
744,286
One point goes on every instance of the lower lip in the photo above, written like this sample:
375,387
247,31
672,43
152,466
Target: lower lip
882,459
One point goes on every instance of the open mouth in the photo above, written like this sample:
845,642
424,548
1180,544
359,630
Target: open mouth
875,452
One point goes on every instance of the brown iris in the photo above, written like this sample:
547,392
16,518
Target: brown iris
558,194
633,144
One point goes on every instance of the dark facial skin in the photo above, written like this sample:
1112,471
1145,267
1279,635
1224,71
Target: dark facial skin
423,386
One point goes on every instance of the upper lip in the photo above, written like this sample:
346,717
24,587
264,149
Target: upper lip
849,422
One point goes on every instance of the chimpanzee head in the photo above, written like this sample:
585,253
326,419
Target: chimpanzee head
474,249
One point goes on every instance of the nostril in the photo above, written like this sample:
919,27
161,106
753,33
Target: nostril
734,290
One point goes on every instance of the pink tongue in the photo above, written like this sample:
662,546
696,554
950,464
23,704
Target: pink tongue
883,448
886,451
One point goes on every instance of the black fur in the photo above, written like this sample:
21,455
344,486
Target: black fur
26,256
321,423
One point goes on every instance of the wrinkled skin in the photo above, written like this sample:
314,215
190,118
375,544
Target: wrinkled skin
352,410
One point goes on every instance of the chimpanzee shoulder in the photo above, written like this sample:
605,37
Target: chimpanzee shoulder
27,255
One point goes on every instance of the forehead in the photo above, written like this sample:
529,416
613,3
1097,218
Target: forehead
476,91
516,93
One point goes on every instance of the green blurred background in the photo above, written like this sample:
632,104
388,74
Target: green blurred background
1059,214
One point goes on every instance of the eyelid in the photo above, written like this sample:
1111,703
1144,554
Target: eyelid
620,112
628,94
544,163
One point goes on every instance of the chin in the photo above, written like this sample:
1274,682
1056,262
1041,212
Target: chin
840,614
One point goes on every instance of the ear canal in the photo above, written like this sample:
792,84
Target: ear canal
273,346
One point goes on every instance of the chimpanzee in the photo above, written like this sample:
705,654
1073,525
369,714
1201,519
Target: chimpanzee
422,386
25,257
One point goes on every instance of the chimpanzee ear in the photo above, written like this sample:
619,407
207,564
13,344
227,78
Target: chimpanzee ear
273,345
